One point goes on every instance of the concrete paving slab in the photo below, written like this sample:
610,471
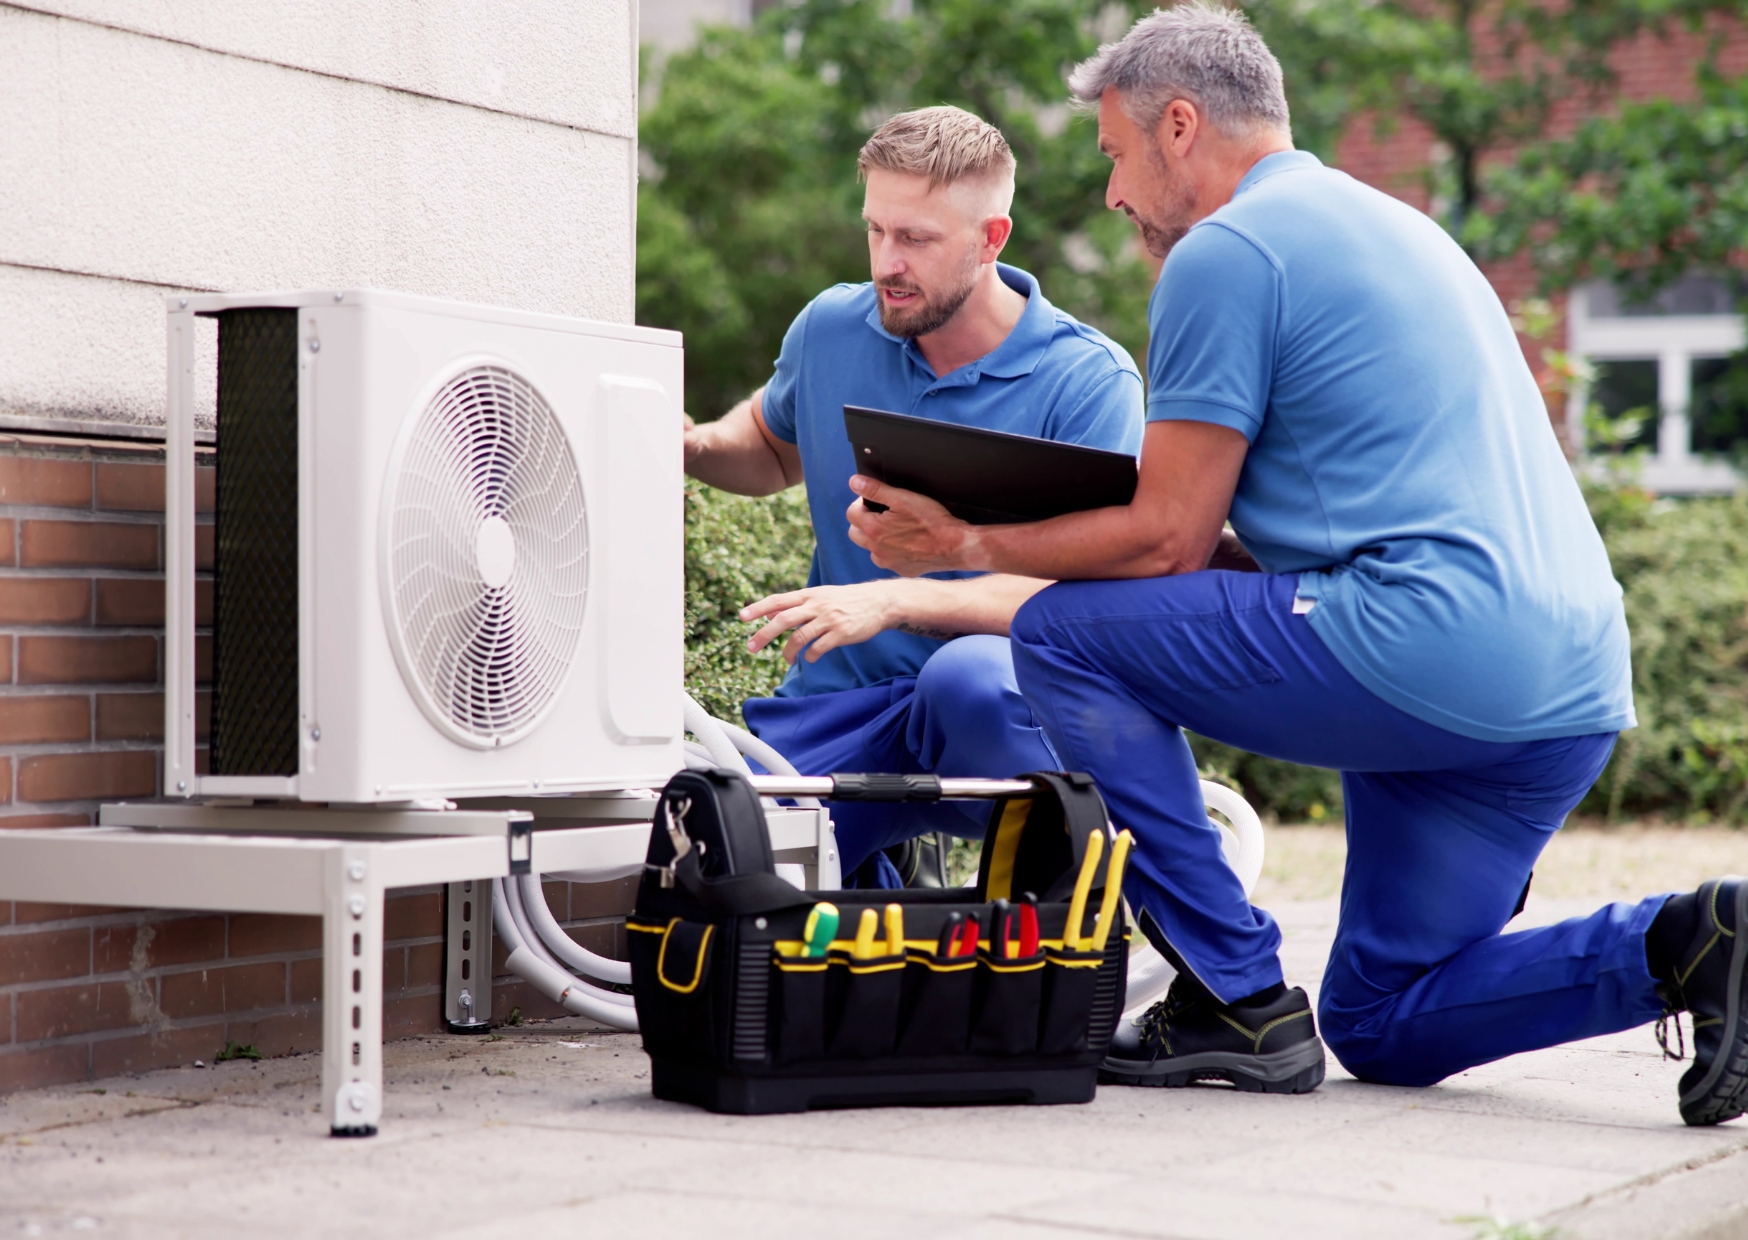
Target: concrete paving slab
547,1129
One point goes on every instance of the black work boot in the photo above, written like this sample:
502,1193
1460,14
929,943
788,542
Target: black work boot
1190,1036
1709,981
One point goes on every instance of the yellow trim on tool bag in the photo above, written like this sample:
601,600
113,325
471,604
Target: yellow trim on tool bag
1094,963
926,958
800,964
697,965
639,926
1007,847
1003,966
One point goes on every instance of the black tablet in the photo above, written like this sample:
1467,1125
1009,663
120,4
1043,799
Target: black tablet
986,477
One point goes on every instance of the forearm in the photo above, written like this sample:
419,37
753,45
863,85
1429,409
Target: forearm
949,609
1104,544
735,454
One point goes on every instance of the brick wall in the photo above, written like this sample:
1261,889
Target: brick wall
88,992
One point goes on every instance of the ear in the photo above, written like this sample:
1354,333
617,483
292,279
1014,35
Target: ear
1179,127
996,231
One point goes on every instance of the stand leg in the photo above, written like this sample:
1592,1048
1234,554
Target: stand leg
352,994
828,871
467,958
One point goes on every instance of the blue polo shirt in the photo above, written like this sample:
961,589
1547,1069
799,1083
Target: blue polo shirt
1400,457
1053,377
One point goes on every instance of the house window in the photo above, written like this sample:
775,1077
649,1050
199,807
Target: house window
1665,363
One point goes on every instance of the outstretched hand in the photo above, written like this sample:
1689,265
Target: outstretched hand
820,618
915,535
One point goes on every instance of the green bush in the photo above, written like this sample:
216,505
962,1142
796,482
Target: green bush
738,550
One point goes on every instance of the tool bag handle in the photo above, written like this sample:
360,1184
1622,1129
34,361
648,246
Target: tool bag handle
1036,843
710,839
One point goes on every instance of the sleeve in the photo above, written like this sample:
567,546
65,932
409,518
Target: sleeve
1109,416
1214,316
778,405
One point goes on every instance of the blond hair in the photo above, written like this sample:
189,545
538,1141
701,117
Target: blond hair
944,144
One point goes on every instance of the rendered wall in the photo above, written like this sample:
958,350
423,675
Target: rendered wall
481,151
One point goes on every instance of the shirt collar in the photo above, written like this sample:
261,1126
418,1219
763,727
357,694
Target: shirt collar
1269,165
1018,355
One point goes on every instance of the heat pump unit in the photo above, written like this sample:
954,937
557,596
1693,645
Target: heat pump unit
446,552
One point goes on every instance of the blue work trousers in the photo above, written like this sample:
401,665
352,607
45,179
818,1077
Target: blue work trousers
962,715
1442,830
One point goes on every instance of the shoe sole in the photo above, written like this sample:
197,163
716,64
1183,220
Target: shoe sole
1722,1094
1296,1070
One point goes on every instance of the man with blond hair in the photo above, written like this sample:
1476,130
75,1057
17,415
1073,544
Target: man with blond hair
892,674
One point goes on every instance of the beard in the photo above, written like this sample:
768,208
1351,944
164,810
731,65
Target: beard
1165,225
931,311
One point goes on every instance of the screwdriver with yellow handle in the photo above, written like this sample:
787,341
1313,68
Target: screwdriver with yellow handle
894,930
1089,866
1113,890
865,930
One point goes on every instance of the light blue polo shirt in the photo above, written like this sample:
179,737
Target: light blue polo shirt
1053,377
1400,458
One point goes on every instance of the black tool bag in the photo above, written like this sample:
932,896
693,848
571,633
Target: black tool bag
735,1019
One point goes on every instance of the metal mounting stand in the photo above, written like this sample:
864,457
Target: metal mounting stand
338,864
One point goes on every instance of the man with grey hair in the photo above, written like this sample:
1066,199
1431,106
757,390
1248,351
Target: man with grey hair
1435,617
888,674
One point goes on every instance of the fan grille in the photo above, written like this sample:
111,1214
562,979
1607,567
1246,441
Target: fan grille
487,639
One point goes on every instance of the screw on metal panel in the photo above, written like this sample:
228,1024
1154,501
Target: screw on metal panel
355,871
182,302
356,1102
355,906
315,734
182,785
339,297
315,346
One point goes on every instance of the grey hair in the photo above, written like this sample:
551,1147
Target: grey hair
1199,51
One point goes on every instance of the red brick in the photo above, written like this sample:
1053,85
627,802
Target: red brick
139,601
5,1018
203,761
5,781
613,899
512,992
264,934
230,988
21,822
203,660
44,1065
67,1010
155,944
5,658
165,1048
412,917
45,955
425,965
205,488
203,548
38,720
44,660
8,542
129,716
410,1014
558,898
88,776
306,981
45,600
31,912
394,969
284,1033
50,483
604,938
129,487
88,544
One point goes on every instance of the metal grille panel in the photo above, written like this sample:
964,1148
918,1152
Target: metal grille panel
255,671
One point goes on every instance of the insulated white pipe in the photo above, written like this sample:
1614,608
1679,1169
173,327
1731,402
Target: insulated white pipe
532,944
562,988
708,729
569,952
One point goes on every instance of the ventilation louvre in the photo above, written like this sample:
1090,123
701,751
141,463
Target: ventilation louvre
486,560
255,622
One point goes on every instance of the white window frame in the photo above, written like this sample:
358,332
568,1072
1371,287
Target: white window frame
1674,342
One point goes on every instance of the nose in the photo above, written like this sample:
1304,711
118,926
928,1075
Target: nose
1113,199
885,259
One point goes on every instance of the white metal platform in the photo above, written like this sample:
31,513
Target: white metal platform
338,864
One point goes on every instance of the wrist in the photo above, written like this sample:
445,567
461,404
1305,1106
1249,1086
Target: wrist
975,552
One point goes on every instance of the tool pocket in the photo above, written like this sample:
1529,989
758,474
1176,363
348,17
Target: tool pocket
1071,980
935,1012
1005,1004
670,968
862,1005
800,1007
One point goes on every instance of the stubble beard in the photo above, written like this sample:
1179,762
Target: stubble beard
935,310
1162,230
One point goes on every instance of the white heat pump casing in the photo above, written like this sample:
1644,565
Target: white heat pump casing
367,364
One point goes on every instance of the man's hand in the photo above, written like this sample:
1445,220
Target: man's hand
915,535
822,618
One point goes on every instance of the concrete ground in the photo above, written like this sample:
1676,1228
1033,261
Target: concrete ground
549,1129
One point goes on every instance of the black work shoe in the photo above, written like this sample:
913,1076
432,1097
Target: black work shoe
1189,1036
1709,984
